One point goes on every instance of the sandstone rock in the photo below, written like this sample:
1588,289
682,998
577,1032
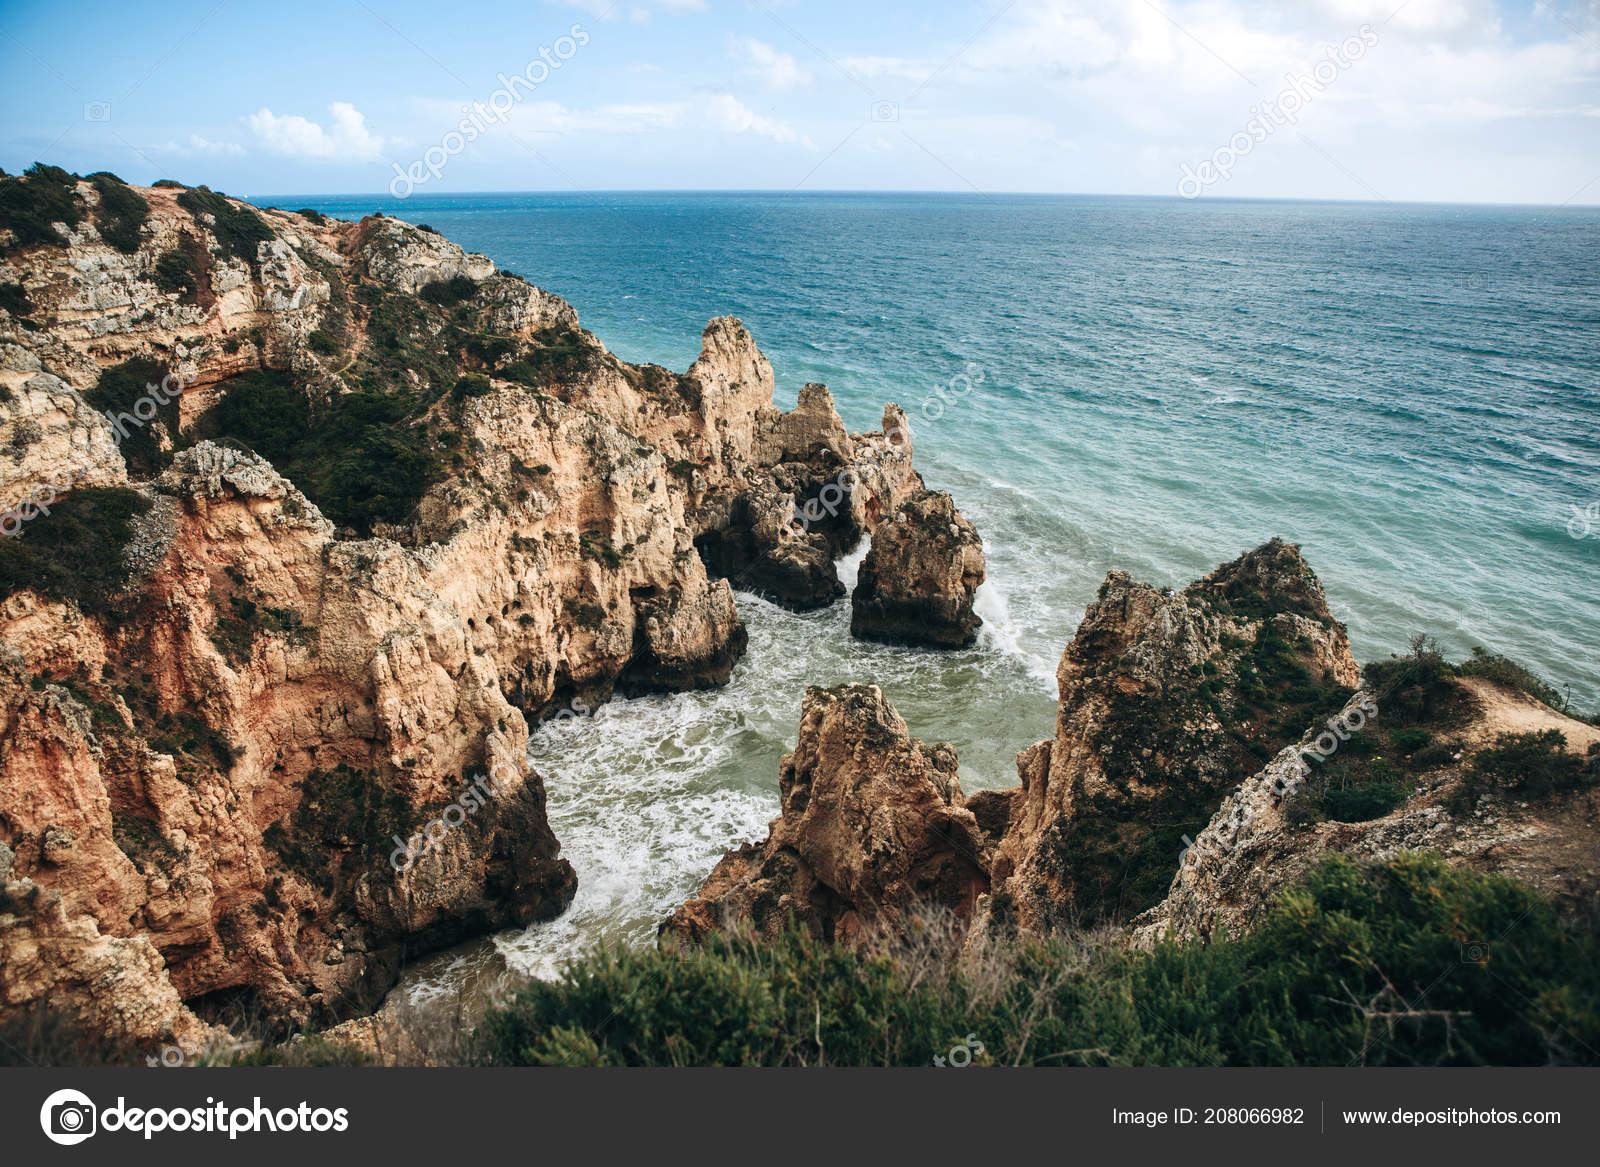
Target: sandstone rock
1167,700
276,696
105,989
873,826
1252,849
917,582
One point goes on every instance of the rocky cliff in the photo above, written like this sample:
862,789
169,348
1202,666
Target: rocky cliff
1265,835
1211,745
918,579
1167,700
873,827
310,522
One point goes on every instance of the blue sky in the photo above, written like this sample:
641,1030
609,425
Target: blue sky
1448,100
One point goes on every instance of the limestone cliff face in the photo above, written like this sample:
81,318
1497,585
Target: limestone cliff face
208,761
873,826
917,582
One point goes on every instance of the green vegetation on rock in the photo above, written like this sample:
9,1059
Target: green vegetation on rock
75,552
1411,962
31,205
122,212
238,229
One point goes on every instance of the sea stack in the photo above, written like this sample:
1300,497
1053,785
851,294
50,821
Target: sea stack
917,582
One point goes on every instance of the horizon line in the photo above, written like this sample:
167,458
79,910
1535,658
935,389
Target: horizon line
974,194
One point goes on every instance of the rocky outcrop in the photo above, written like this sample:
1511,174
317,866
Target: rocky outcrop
917,582
286,744
221,773
1167,700
1256,846
780,534
114,988
873,826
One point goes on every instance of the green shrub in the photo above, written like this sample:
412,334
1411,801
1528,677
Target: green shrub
118,392
315,216
555,356
342,826
360,458
168,184
1357,804
490,349
1409,740
267,412
448,293
1432,756
323,343
1535,764
1495,667
176,271
1411,688
75,552
31,205
122,212
14,299
238,229
1410,962
471,385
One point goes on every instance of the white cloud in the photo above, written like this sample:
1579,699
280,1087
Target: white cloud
728,113
900,68
346,139
777,70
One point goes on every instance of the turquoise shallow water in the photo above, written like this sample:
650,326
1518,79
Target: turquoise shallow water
1410,392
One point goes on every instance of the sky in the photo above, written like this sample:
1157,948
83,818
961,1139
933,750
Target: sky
1393,100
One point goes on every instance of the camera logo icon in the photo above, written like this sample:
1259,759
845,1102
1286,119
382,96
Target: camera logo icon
885,111
68,1117
97,111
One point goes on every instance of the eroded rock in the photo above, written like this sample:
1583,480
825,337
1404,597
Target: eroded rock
873,825
917,582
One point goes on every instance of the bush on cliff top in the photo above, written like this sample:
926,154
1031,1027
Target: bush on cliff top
75,551
360,458
238,229
32,204
1410,962
122,211
1492,665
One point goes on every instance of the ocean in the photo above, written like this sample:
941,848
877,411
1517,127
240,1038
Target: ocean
1410,392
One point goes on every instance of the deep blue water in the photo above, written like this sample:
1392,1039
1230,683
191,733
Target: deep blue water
1410,392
